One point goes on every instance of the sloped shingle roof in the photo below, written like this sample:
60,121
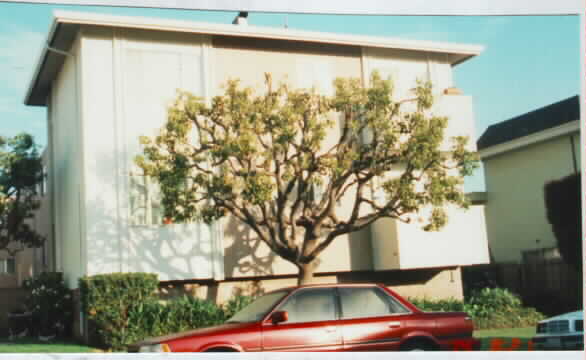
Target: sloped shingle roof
532,122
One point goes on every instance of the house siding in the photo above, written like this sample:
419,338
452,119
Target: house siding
102,151
515,213
125,80
128,77
67,172
302,66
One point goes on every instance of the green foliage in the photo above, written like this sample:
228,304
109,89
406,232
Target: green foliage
50,302
109,300
263,158
155,317
563,202
489,309
124,308
21,170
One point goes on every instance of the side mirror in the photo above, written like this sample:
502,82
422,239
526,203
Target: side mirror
279,317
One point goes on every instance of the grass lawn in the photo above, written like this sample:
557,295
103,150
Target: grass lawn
31,345
505,339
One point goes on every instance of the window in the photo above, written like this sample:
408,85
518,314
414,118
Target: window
43,183
259,307
145,201
311,305
171,64
8,266
368,302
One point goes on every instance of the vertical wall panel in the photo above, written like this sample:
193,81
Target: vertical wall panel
67,168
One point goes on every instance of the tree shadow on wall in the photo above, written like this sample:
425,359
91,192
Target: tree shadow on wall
247,255
176,252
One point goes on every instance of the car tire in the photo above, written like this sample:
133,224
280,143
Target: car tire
417,346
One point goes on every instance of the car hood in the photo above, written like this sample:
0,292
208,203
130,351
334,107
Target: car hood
575,315
213,330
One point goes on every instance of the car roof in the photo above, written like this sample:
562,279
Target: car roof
567,316
330,285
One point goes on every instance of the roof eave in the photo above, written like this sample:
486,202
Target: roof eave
459,52
39,65
535,138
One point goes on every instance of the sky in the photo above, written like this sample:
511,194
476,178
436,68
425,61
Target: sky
529,61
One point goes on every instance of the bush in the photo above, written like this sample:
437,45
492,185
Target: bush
109,300
124,308
51,304
156,317
489,309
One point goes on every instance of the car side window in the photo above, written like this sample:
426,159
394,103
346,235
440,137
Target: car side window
310,305
368,302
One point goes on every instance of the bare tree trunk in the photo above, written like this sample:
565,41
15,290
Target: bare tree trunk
306,273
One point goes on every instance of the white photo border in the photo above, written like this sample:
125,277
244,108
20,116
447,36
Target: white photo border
363,7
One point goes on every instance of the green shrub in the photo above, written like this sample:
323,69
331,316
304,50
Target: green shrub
156,317
109,300
124,308
489,309
51,304
438,305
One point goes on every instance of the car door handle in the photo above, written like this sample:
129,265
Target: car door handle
330,329
394,324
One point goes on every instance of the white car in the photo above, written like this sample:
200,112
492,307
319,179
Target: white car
564,331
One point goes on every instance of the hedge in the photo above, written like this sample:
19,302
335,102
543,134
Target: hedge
490,308
124,308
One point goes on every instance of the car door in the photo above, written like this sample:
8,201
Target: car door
371,319
311,324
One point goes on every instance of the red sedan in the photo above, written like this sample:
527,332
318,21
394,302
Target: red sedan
341,317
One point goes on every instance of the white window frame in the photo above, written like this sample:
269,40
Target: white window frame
4,266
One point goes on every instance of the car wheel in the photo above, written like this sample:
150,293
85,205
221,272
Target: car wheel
417,346
220,350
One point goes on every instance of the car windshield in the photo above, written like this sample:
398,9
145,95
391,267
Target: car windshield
258,308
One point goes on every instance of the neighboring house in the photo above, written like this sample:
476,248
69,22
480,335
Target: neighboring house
15,269
26,263
520,156
106,80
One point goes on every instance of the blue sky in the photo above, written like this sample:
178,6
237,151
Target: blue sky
529,61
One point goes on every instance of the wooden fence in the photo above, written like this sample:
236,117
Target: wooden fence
550,285
10,299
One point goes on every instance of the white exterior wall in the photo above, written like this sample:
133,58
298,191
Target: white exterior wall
129,79
66,167
515,212
463,240
301,67
101,154
405,68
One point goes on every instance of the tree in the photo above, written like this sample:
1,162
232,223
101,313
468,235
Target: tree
21,171
563,203
271,162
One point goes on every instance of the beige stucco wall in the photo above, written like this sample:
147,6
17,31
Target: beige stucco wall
43,257
30,260
515,211
23,269
7,280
